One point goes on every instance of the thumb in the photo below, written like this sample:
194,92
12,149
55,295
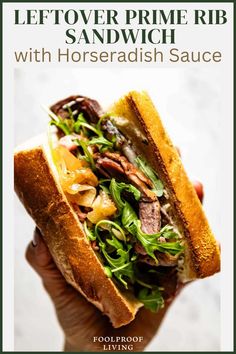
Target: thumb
40,259
37,254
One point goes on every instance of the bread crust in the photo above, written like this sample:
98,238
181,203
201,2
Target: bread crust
202,255
36,186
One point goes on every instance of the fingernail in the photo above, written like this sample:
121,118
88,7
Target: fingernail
199,190
178,150
36,237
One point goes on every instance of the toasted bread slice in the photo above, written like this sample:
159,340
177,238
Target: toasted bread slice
37,186
202,256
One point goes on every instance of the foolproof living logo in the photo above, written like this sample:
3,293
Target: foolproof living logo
118,343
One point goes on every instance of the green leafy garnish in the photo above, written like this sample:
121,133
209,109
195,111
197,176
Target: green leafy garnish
89,233
80,119
105,189
108,271
128,218
103,142
100,141
70,112
88,126
88,155
140,282
113,227
152,299
116,190
171,247
81,122
114,243
132,224
151,244
104,116
168,232
102,184
151,174
61,124
121,265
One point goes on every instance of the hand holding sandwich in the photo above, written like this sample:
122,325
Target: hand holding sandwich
117,213
80,320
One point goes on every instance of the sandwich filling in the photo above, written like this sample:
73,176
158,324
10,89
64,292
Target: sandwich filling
119,199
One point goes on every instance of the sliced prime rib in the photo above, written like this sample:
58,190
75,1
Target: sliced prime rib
91,109
149,214
117,166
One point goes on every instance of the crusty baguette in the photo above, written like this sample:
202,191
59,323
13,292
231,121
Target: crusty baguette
202,256
36,184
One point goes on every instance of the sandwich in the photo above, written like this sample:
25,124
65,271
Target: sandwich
109,193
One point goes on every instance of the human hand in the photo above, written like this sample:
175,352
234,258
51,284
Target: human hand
80,320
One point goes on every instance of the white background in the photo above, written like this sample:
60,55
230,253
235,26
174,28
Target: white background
195,103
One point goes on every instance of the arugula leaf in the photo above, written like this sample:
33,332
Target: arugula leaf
102,184
152,299
77,124
130,188
123,264
132,224
89,233
168,232
113,262
88,155
104,116
81,122
120,266
107,271
66,125
116,190
171,247
128,218
70,112
151,174
101,141
116,194
88,126
61,125
111,225
119,276
104,180
104,188
140,282
115,243
150,242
